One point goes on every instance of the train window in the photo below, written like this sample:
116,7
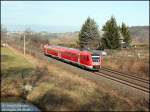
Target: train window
84,58
74,55
87,58
81,57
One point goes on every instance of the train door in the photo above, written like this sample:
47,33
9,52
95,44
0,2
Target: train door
85,60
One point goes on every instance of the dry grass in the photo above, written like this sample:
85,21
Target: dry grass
128,61
128,65
61,92
58,89
67,92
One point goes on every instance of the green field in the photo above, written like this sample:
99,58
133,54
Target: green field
14,64
13,68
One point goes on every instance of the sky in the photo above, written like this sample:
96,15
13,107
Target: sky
73,13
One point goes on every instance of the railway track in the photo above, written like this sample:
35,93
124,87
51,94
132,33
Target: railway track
130,80
135,76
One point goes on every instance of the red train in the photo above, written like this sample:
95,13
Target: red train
85,59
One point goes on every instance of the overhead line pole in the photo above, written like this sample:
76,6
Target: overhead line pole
24,45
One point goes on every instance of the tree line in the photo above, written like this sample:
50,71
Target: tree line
89,35
32,39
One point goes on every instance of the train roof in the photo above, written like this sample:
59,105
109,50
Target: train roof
93,53
60,47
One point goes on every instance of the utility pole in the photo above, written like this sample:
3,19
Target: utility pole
24,44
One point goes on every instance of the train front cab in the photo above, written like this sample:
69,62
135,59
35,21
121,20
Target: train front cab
90,61
96,61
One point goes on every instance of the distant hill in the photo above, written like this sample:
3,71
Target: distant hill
64,38
140,33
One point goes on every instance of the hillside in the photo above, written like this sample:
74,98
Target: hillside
68,39
139,34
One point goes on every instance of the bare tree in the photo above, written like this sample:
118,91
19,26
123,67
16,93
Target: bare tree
3,33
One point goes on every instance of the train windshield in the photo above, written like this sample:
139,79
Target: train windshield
95,58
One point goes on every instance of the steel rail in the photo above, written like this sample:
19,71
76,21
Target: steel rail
127,79
126,75
134,85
